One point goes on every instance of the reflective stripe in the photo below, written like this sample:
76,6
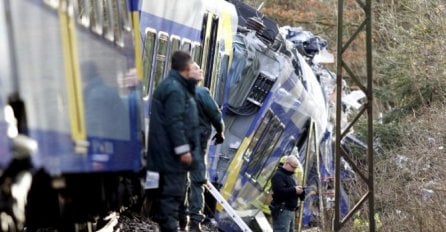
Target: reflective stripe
72,74
235,167
182,149
137,41
227,28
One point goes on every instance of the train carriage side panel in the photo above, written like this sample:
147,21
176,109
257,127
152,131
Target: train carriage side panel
41,74
110,87
53,77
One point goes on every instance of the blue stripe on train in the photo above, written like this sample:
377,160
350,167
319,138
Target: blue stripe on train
133,5
56,154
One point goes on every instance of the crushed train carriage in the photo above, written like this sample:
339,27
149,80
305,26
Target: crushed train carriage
277,100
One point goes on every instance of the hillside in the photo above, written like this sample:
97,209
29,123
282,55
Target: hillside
411,178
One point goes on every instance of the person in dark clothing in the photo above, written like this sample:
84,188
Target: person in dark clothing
285,196
209,115
104,109
173,137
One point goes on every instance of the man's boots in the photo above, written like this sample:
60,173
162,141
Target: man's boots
183,223
194,227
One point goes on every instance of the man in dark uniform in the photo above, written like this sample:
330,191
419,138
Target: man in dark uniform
285,196
173,137
209,115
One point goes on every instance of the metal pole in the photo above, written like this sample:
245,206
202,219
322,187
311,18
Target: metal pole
368,11
368,89
311,141
338,151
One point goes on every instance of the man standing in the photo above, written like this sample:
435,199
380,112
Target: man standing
209,115
173,137
285,196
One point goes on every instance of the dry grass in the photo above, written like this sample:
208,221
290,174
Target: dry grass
410,180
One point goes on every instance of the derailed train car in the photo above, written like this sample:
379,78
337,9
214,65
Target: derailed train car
276,102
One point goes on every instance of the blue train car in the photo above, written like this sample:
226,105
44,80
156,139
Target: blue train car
75,66
268,115
72,70
276,103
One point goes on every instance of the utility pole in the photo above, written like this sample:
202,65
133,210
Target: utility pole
367,111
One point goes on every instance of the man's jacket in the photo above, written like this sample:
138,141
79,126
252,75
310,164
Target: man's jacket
174,128
284,189
209,114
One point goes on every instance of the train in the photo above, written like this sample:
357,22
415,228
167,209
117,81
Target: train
279,101
69,72
78,75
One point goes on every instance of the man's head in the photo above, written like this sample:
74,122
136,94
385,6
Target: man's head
182,62
196,72
291,163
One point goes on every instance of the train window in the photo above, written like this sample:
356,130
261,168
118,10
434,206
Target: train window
205,35
261,147
116,23
161,52
197,51
149,51
108,24
222,72
257,135
186,45
124,15
175,43
204,26
82,11
216,53
96,16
